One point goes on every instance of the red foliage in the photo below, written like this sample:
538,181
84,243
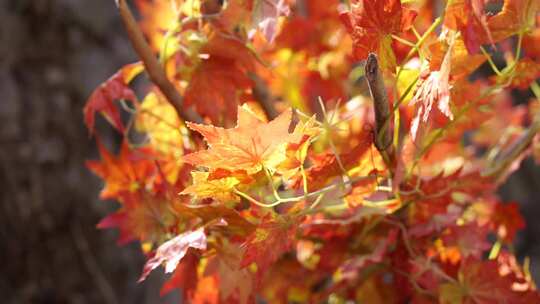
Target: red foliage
296,203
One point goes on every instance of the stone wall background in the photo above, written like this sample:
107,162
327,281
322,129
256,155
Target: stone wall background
53,53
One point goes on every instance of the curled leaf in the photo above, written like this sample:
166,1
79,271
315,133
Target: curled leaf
172,251
103,98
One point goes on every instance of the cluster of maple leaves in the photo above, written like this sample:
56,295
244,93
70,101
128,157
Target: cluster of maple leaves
279,193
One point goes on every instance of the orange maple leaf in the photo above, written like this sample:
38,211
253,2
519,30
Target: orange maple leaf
250,146
122,173
516,16
217,83
268,243
326,165
371,24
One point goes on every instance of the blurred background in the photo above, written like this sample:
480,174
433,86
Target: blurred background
53,53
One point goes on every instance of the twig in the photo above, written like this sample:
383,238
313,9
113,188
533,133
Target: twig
263,96
153,68
508,156
383,138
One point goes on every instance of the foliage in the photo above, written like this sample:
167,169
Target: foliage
278,192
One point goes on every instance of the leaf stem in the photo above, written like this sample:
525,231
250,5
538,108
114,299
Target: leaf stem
490,61
298,198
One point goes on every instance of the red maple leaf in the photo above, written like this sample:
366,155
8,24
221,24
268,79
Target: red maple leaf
481,283
143,216
507,220
103,98
219,80
326,165
267,243
184,277
371,24
469,17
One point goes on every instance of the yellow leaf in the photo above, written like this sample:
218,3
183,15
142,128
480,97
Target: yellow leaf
158,119
220,189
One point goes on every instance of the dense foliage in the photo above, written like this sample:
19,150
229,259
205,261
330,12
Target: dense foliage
324,150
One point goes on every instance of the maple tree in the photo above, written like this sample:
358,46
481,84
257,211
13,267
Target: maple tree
268,169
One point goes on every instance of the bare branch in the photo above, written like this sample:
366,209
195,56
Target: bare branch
153,68
506,158
383,136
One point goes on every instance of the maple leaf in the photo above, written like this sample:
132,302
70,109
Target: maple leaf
480,283
326,165
115,88
208,213
236,283
526,71
296,152
463,63
352,267
250,146
220,189
158,119
118,220
531,43
267,243
124,172
235,15
184,277
143,216
265,15
172,251
319,24
469,17
433,89
469,239
217,82
516,16
371,24
508,220
361,190
437,194
156,19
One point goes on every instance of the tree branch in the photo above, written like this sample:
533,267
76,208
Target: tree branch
506,158
153,68
383,138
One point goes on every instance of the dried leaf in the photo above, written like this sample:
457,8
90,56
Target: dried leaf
172,251
265,15
433,89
